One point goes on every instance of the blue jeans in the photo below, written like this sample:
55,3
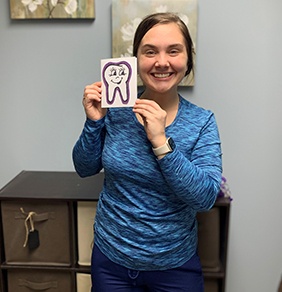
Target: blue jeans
108,276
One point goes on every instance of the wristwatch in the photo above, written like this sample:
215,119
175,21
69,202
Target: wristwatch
166,148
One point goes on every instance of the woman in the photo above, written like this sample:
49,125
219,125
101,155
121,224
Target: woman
162,163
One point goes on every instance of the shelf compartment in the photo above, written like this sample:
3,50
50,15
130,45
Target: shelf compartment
24,280
51,220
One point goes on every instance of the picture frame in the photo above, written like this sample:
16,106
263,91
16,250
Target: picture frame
52,9
127,14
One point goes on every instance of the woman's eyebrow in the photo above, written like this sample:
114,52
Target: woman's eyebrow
176,45
148,46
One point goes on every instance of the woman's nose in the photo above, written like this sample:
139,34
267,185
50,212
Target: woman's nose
162,61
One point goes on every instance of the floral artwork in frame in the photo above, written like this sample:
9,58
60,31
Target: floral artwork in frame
52,9
127,14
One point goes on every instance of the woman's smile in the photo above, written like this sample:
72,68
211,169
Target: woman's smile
162,75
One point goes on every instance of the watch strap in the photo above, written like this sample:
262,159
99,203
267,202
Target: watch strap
163,149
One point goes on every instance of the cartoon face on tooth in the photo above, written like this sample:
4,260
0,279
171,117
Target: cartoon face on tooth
116,77
117,74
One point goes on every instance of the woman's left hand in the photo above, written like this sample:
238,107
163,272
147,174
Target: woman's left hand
154,120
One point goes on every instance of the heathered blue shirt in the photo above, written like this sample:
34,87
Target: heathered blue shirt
146,213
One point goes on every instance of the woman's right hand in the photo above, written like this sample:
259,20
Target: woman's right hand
92,101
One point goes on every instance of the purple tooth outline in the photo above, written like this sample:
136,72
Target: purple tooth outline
124,101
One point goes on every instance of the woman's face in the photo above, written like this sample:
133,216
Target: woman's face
162,58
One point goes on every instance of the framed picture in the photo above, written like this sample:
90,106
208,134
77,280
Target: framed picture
127,14
48,9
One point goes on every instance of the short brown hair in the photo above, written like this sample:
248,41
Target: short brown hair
164,18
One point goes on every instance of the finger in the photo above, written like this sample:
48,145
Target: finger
92,88
148,110
149,106
91,102
147,102
92,93
146,106
98,83
92,96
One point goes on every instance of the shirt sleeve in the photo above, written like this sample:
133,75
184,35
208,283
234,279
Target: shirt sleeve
87,152
196,180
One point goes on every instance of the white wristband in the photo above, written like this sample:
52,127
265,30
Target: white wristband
164,149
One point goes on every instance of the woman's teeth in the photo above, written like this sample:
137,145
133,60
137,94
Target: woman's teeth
161,75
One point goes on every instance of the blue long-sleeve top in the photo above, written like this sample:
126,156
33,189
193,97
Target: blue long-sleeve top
146,215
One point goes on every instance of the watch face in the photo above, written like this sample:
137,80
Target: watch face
171,143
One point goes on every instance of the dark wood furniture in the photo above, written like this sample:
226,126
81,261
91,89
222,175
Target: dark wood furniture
40,187
219,276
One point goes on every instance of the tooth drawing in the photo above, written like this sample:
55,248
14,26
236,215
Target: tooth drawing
116,77
119,82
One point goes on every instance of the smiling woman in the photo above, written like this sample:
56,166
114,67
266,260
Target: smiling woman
46,9
162,164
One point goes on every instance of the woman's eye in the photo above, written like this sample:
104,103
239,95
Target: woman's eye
150,53
173,52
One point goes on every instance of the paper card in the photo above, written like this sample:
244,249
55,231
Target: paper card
119,82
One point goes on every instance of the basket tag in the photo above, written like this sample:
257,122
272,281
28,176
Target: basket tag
33,239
